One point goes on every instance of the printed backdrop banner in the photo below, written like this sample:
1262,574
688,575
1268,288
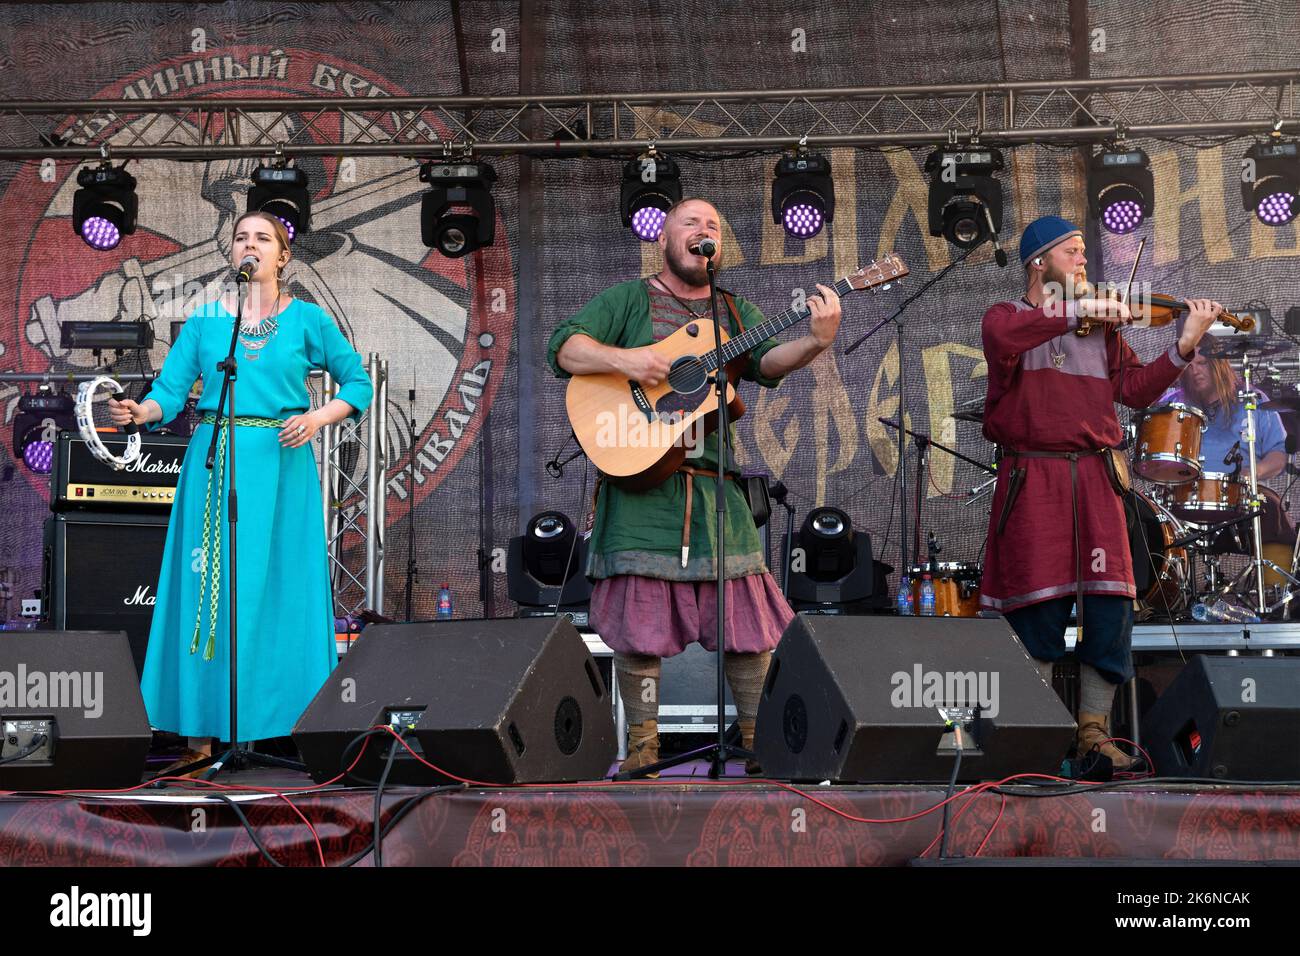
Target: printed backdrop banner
473,411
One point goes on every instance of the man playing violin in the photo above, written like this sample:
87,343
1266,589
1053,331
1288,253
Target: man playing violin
1057,536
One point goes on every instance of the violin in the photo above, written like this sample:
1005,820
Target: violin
1153,310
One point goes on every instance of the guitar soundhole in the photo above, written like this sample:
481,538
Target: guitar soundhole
687,375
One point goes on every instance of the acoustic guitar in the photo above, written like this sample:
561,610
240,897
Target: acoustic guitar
638,436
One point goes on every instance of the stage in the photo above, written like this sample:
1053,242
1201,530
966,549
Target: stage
684,820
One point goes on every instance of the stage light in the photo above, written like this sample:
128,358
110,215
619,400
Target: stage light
651,185
458,185
548,545
1121,189
964,195
37,422
104,208
803,194
833,571
827,539
1270,182
540,572
282,192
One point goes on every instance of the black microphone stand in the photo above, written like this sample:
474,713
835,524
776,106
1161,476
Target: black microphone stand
237,757
718,752
896,317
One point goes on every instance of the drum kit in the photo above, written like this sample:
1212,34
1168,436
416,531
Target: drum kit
1192,519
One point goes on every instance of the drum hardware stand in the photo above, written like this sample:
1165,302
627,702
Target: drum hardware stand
1247,396
781,495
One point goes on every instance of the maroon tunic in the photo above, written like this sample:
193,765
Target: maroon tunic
1034,404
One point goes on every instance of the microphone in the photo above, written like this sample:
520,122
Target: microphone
705,247
1232,455
247,267
998,254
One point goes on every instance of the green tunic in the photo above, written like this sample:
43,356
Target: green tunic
641,532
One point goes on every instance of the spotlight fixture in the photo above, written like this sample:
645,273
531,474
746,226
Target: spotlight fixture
651,185
282,191
104,208
544,568
463,185
964,196
1121,189
1272,188
39,418
803,194
838,574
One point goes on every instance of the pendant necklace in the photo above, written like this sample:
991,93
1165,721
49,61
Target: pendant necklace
1058,353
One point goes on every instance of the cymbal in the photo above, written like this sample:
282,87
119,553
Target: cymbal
1236,346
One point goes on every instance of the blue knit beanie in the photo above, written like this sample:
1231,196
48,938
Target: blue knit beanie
1043,233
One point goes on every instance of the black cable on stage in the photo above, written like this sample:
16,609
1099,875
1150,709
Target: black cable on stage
379,796
573,545
947,804
36,744
248,826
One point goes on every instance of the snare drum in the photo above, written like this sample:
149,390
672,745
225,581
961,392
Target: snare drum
1169,443
956,588
1215,496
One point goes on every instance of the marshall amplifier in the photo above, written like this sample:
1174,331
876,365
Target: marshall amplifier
101,573
149,483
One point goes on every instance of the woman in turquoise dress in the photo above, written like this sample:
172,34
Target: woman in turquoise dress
286,614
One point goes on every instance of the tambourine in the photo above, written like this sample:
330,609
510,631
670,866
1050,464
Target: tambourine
86,425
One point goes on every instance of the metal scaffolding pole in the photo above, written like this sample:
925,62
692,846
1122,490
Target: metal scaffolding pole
356,588
1067,111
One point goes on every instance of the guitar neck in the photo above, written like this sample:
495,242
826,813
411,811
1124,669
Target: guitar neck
738,346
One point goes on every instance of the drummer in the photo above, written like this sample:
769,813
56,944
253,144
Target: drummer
1212,384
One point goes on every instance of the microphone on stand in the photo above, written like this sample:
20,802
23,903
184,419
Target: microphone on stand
998,254
247,266
1234,454
707,248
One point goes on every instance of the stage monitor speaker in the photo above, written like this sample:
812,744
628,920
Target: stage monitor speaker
856,700
499,701
79,690
1228,718
101,572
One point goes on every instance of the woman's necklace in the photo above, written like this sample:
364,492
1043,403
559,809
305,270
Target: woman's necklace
255,335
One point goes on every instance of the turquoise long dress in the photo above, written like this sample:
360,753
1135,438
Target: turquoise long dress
286,615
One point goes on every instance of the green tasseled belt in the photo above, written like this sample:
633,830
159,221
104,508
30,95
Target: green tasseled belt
206,594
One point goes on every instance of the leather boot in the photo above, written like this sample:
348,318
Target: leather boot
1093,729
747,742
642,746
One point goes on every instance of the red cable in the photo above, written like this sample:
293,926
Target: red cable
995,824
280,793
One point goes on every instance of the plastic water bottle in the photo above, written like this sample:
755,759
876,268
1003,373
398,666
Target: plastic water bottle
927,596
1221,610
444,612
905,597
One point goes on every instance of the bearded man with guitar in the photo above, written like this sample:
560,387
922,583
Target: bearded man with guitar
652,546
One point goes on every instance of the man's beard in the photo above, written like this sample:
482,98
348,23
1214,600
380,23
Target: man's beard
686,270
1070,286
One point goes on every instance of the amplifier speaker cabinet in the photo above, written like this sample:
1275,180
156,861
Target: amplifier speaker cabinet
78,691
82,482
101,573
858,700
501,701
